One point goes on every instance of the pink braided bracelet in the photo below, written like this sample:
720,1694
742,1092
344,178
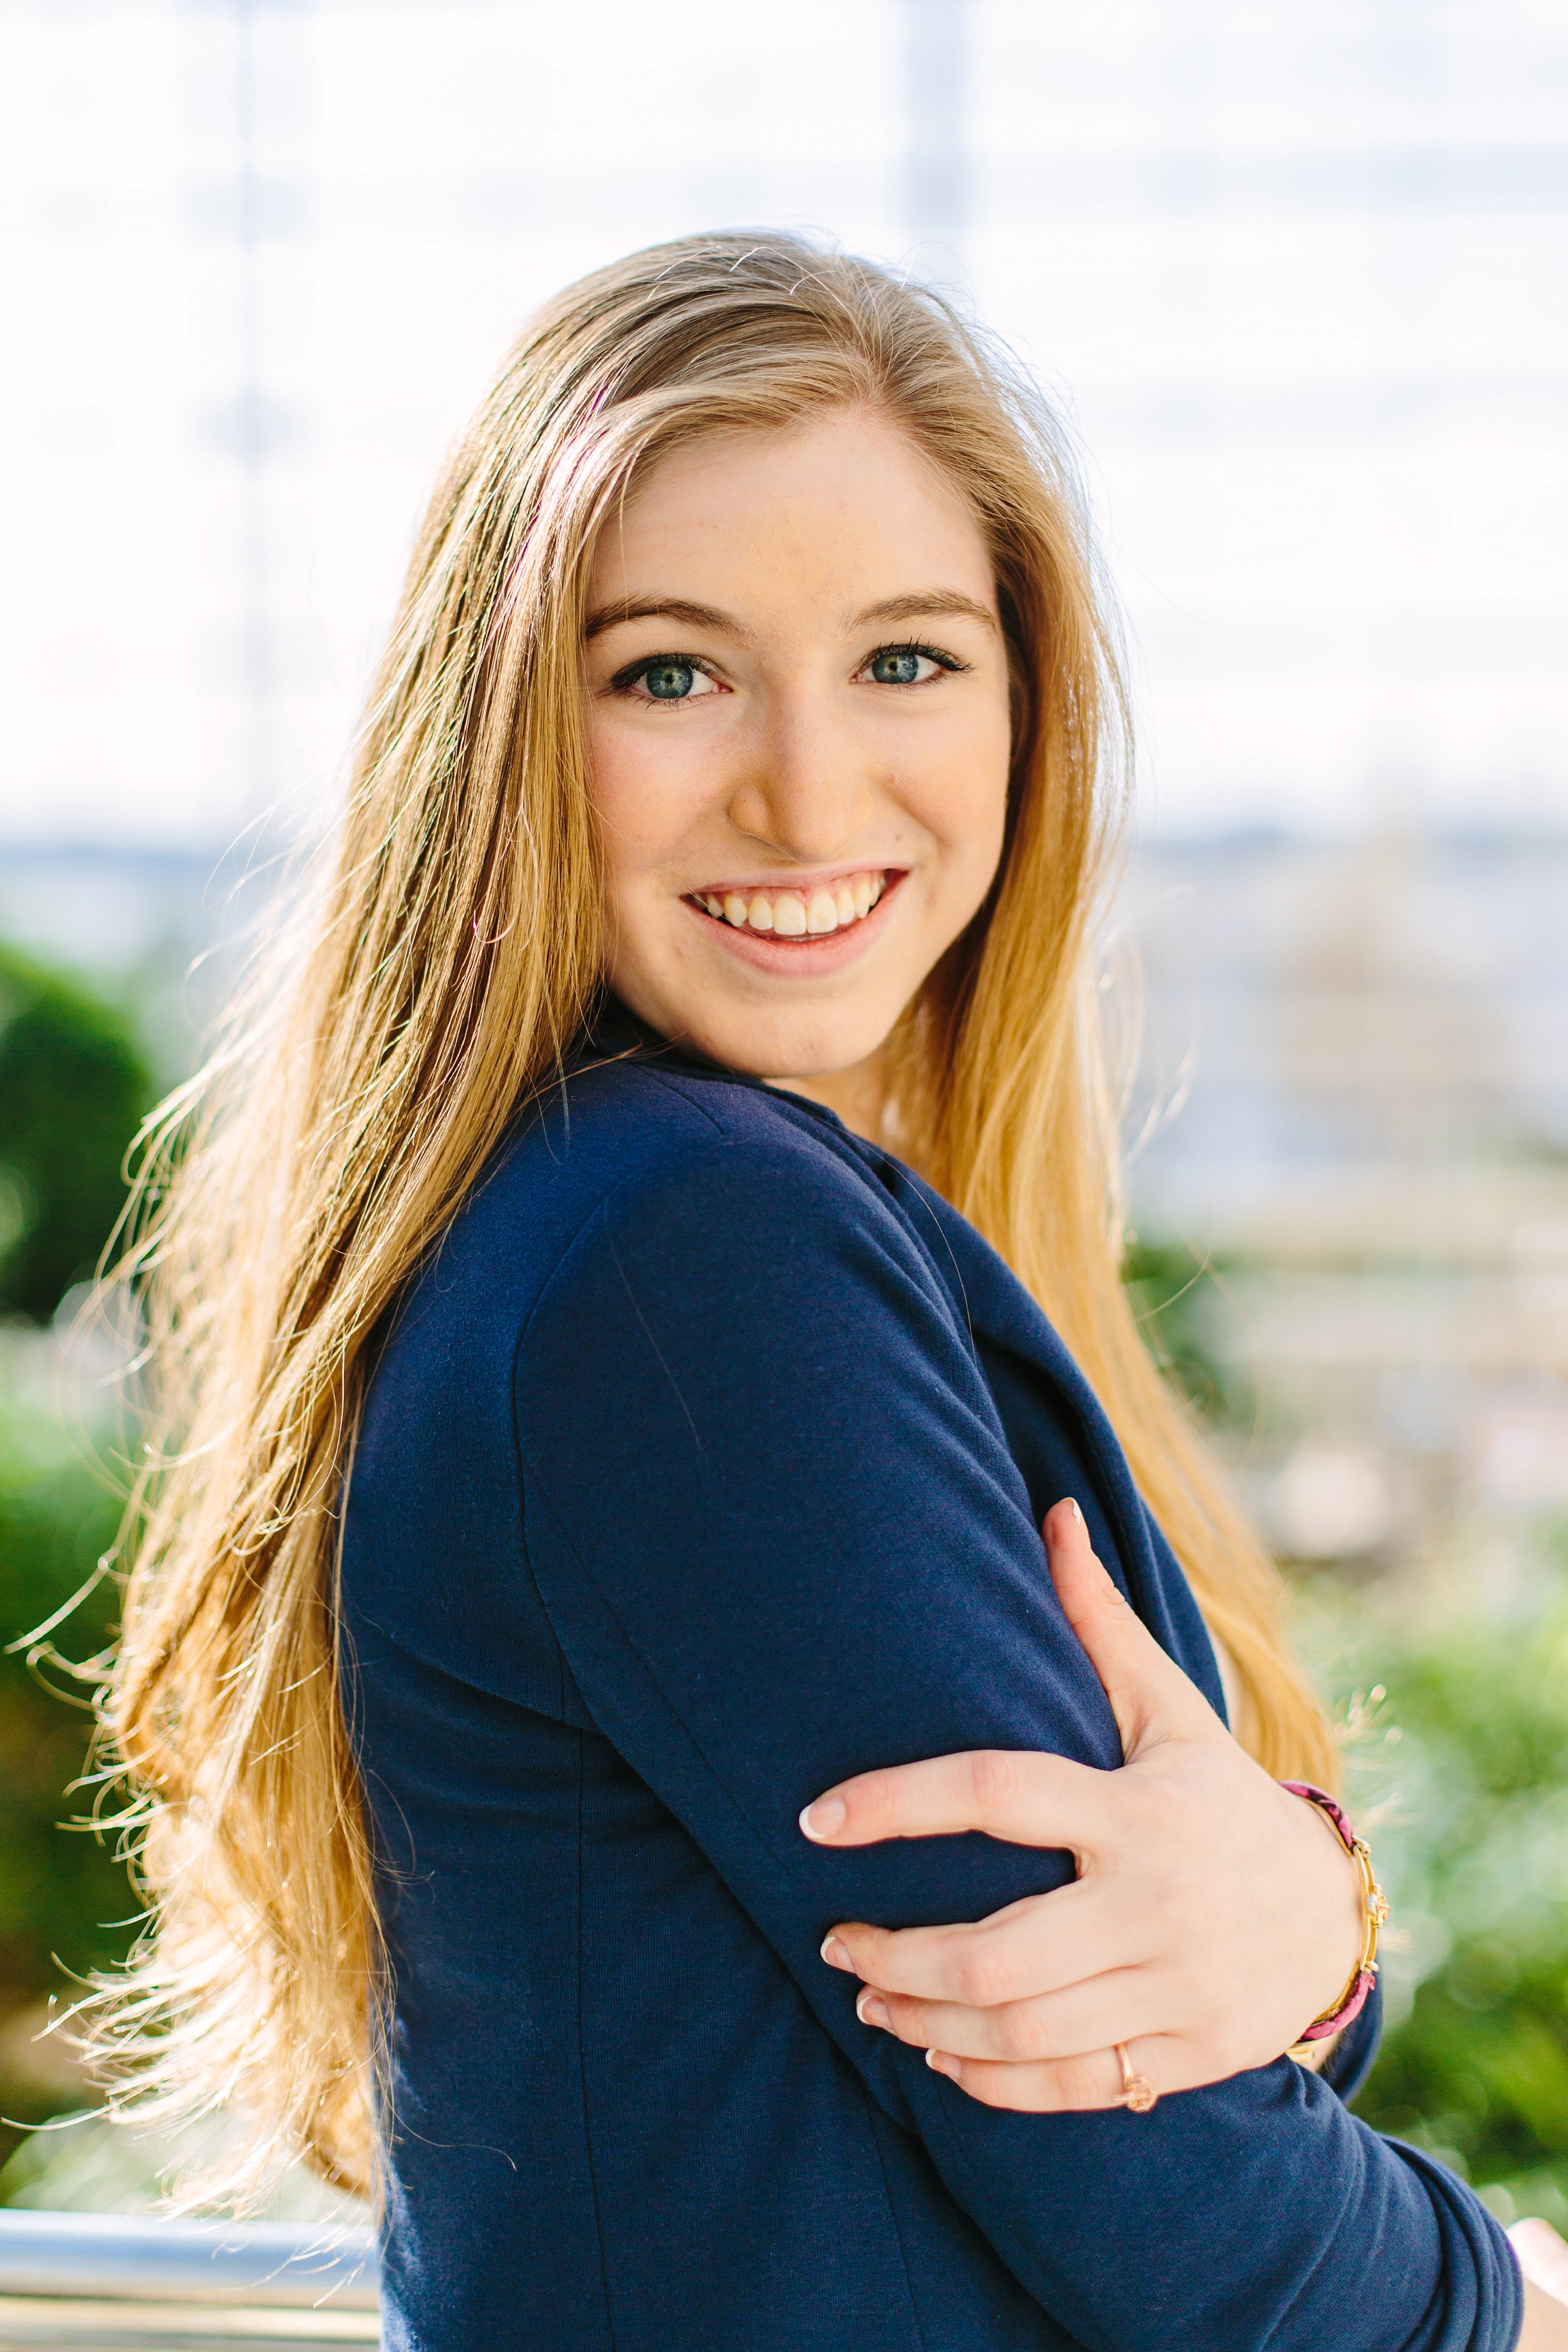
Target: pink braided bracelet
1352,2002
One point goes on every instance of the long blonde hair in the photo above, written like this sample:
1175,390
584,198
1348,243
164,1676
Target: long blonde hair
452,949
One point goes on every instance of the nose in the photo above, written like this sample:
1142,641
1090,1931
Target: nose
808,791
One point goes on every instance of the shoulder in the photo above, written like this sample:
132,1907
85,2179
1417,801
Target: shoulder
646,1145
704,1208
749,1313
693,1173
621,1118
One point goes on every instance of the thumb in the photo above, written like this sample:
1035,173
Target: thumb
1150,1696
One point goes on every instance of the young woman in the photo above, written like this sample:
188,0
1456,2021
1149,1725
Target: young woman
594,1566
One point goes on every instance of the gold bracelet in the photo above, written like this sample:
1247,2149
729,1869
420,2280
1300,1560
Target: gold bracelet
1374,1915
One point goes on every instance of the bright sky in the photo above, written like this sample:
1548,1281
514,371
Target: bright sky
1298,270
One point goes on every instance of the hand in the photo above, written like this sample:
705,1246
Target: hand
1213,1916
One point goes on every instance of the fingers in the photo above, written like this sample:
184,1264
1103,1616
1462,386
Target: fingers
1019,1795
1005,1957
1073,2024
1150,1696
1065,2085
1056,2086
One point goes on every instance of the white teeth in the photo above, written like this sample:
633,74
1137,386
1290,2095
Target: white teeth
797,914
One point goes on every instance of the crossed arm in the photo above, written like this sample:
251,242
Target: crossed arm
797,1544
1199,1932
1212,1918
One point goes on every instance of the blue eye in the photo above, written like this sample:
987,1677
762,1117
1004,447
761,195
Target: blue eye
897,665
669,681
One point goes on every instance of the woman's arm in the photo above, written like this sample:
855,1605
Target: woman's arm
772,1517
1213,1916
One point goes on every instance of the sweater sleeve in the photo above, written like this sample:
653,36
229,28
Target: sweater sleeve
770,1513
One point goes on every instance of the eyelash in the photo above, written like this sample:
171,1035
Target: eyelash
949,662
625,679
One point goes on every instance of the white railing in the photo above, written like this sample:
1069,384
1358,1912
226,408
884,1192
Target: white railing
117,2283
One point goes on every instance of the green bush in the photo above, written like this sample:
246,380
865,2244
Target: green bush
72,1089
65,1901
1177,1296
1474,1851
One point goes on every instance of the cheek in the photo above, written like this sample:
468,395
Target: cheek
644,797
963,796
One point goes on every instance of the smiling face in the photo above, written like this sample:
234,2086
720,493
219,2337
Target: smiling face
799,732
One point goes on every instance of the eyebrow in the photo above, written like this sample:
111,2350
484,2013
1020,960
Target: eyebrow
926,603
665,608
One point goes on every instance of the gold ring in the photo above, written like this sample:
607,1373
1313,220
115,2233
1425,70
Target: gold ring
1138,2093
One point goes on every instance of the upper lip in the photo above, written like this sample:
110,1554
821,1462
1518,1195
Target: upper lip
816,880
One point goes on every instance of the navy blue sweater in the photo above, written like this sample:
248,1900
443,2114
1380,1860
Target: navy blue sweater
703,1466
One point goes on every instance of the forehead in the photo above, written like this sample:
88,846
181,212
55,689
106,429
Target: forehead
839,497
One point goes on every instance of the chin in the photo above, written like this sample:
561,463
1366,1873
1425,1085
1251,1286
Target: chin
785,1046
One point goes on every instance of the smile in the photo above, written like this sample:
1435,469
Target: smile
795,914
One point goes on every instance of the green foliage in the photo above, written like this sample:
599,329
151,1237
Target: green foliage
64,1899
72,1091
1474,1852
1473,1844
55,1525
73,1088
1173,1293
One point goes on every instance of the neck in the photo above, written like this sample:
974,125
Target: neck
859,1095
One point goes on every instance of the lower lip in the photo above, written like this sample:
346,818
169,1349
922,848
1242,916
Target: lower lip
805,958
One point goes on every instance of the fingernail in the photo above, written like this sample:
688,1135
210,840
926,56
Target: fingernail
1074,1509
836,1953
872,2009
823,1819
940,2063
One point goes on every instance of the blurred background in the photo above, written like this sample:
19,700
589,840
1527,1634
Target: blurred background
1296,274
